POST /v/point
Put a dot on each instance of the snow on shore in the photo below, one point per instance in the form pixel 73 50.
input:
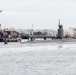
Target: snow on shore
pixel 38 59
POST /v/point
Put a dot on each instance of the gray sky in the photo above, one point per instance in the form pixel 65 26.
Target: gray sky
pixel 43 14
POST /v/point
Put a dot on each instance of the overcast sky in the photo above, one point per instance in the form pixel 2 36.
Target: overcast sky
pixel 43 14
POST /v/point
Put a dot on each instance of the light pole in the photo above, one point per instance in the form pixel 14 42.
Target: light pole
pixel 32 29
pixel 0 24
pixel 5 35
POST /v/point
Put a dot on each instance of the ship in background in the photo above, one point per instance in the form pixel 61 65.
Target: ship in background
pixel 11 35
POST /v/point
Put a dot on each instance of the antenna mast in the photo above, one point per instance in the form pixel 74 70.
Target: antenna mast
pixel 59 22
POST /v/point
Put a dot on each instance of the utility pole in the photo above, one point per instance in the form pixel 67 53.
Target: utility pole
pixel 5 34
pixel 0 24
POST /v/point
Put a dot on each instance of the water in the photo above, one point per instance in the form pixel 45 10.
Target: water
pixel 34 58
